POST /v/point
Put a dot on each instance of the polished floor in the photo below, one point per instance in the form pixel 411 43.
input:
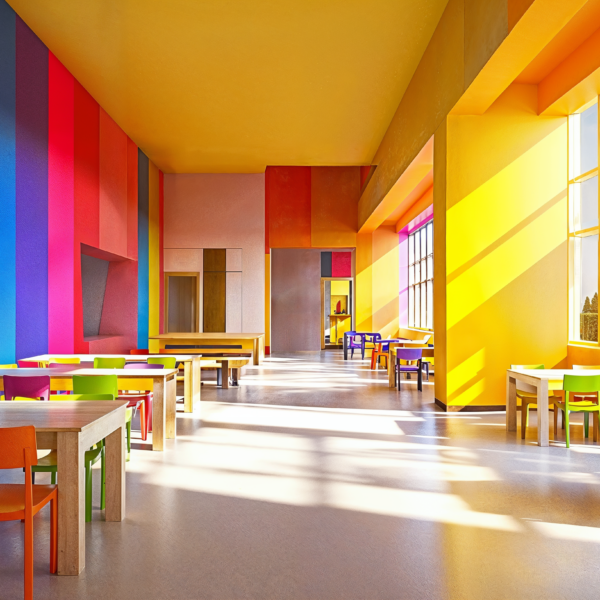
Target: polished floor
pixel 313 480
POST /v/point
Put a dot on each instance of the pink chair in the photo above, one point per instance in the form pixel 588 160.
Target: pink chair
pixel 144 399
pixel 34 386
pixel 28 364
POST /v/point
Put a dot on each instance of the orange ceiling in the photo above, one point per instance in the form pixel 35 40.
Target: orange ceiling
pixel 233 86
pixel 575 32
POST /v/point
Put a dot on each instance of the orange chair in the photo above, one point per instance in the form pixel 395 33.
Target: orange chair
pixel 143 351
pixel 20 502
pixel 375 354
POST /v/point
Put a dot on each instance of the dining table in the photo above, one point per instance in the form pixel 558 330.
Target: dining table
pixel 191 370
pixel 391 362
pixel 161 382
pixel 71 428
pixel 541 381
pixel 196 342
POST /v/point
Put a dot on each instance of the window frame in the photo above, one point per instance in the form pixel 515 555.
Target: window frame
pixel 574 230
pixel 427 283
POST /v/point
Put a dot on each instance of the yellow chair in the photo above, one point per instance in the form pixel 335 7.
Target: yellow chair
pixel 65 361
pixel 529 400
pixel 7 367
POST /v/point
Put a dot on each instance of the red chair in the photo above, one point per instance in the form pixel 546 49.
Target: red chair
pixel 142 352
pixel 28 364
pixel 20 502
pixel 35 386
pixel 143 400
pixel 376 354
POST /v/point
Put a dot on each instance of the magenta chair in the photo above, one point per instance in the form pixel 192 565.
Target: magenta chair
pixel 145 399
pixel 412 355
pixel 35 386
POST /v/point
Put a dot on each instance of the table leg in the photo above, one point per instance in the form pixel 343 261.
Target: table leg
pixel 345 347
pixel 390 369
pixel 235 376
pixel 511 403
pixel 158 414
pixel 225 374
pixel 255 351
pixel 196 383
pixel 171 408
pixel 71 504
pixel 542 410
pixel 115 474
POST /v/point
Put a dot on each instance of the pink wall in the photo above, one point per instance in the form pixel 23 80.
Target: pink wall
pixel 221 211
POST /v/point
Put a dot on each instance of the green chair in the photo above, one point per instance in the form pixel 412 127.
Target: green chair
pixel 529 399
pixel 48 463
pixel 578 385
pixel 109 363
pixel 169 362
pixel 103 384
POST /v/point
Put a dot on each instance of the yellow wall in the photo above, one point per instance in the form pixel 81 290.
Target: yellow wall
pixel 338 289
pixel 377 281
pixel 504 294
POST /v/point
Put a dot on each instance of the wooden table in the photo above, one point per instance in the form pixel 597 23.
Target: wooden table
pixel 223 365
pixel 248 341
pixel 391 363
pixel 71 428
pixel 334 319
pixel 542 380
pixel 191 370
pixel 162 382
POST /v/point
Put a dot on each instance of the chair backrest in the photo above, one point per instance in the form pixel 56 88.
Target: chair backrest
pixel 371 338
pixel 72 360
pixel 28 364
pixel 95 384
pixel 34 386
pixel 142 365
pixel 142 351
pixel 13 442
pixel 409 353
pixel 168 362
pixel 76 397
pixel 527 367
pixel 9 367
pixel 106 362
pixel 581 383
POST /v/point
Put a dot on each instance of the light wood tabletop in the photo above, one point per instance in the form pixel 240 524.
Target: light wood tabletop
pixel 71 428
pixel 248 341
pixel 191 370
pixel 542 380
pixel 161 382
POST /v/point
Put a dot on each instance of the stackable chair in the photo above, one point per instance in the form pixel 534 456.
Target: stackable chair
pixel 34 387
pixel 409 355
pixel 580 385
pixel 529 400
pixel 371 338
pixel 73 360
pixel 356 342
pixel 139 351
pixel 378 353
pixel 28 364
pixel 143 399
pixel 48 464
pixel 11 366
pixel 20 502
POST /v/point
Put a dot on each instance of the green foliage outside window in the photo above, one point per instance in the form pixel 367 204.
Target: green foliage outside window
pixel 588 320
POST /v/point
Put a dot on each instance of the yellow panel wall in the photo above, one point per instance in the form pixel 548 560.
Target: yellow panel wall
pixel 505 247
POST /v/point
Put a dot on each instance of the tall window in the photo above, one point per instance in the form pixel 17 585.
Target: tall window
pixel 583 225
pixel 420 277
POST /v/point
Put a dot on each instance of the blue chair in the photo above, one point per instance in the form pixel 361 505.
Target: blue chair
pixel 356 341
pixel 410 355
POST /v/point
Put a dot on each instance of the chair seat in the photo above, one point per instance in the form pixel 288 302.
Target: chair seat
pixel 12 496
pixel 407 368
pixel 583 406
pixel 521 394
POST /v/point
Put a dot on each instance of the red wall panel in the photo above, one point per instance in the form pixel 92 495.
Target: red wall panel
pixel 288 197
pixel 113 186
pixel 132 199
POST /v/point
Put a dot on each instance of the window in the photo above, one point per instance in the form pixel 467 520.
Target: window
pixel 583 225
pixel 420 277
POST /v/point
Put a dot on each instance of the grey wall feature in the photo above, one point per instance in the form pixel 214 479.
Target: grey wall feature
pixel 94 272
pixel 295 300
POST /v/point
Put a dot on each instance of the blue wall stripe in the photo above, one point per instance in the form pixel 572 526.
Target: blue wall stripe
pixel 8 305
pixel 143 250
pixel 31 159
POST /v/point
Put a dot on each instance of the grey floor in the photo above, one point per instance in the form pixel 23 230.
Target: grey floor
pixel 313 480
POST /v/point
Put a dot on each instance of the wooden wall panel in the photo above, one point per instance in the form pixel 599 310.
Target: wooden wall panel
pixel 215 259
pixel 233 303
pixel 214 301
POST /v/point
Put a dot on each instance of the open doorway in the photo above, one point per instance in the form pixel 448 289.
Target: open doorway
pixel 182 300
pixel 337 313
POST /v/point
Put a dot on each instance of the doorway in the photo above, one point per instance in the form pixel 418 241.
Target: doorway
pixel 337 310
pixel 181 302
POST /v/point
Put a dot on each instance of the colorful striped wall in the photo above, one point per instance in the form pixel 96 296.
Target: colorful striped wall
pixel 69 176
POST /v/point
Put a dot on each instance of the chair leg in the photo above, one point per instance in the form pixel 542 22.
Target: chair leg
pixel 53 536
pixel 556 409
pixel 420 380
pixel 148 401
pixel 586 425
pixel 103 478
pixel 373 360
pixel 524 418
pixel 88 492
pixel 128 439
pixel 595 427
pixel 566 420
pixel 143 422
pixel 28 557
pixel 53 478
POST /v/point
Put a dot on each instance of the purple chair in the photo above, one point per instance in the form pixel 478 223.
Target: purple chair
pixel 410 354
pixel 143 401
pixel 354 341
pixel 35 386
